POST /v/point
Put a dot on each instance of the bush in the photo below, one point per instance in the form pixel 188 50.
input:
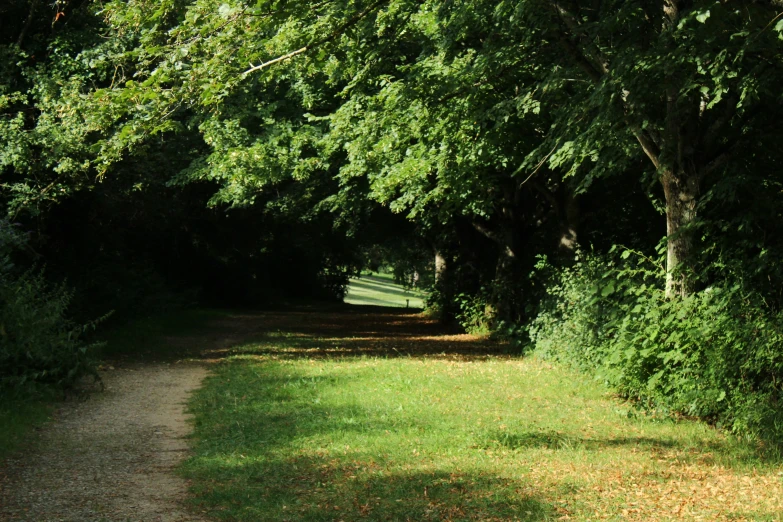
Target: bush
pixel 715 354
pixel 38 345
pixel 476 314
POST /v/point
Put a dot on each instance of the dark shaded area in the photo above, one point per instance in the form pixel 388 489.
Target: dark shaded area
pixel 353 331
pixel 555 440
pixel 152 252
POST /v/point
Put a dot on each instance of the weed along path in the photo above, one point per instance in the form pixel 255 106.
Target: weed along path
pixel 351 413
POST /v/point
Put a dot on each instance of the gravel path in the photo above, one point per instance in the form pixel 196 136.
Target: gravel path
pixel 110 458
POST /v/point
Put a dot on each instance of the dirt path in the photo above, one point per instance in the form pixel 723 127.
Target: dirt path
pixel 112 457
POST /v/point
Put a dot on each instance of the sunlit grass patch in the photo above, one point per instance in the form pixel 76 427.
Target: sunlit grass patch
pixel 381 290
pixel 408 438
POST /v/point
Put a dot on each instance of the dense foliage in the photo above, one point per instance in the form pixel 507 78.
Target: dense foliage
pixel 38 344
pixel 714 354
pixel 195 149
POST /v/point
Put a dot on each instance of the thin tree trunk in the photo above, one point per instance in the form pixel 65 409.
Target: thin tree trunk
pixel 27 23
pixel 444 287
pixel 440 267
pixel 568 217
pixel 681 192
pixel 504 284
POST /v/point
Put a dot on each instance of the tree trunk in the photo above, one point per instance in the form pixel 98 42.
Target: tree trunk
pixel 504 284
pixel 681 191
pixel 440 267
pixel 27 24
pixel 568 218
pixel 444 287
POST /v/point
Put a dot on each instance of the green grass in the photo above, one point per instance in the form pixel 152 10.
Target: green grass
pixel 381 290
pixel 18 418
pixel 284 432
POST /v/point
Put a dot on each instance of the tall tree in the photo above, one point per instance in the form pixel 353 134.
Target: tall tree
pixel 694 83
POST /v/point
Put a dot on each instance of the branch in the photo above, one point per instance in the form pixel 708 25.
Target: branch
pixel 579 58
pixel 648 145
pixel 334 34
pixel 538 167
pixel 27 23
pixel 572 22
pixel 490 234
pixel 648 141
pixel 460 92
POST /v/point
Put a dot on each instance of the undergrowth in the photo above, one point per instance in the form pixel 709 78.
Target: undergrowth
pixel 39 345
pixel 714 354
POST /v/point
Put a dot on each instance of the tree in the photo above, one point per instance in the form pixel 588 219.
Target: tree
pixel 692 82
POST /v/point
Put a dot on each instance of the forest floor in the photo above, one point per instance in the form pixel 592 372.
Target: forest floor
pixel 362 413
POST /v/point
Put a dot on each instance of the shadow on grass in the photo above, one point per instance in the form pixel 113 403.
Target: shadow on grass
pixel 317 489
pixel 17 420
pixel 355 331
pixel 273 454
pixel 727 452
pixel 550 439
pixel 180 334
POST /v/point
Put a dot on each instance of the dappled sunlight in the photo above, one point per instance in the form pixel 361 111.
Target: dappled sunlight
pixel 316 486
pixel 349 332
pixel 343 414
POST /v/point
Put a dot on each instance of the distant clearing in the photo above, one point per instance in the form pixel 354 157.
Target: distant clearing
pixel 381 290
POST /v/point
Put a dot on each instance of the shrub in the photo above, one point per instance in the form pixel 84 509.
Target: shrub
pixel 38 344
pixel 476 314
pixel 715 354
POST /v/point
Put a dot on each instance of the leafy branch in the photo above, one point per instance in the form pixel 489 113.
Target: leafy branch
pixel 331 36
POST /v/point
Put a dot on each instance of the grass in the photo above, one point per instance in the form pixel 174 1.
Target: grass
pixel 379 289
pixel 18 418
pixel 378 416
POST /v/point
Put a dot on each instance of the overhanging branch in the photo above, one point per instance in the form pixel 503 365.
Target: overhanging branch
pixel 331 36
pixel 486 232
